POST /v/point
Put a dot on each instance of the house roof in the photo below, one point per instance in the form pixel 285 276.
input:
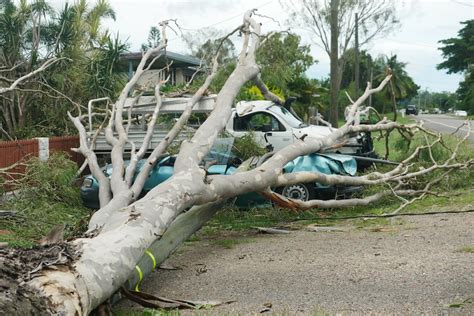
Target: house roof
pixel 178 60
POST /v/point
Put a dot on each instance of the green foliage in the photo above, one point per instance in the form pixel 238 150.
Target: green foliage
pixel 224 72
pixel 246 147
pixel 254 93
pixel 154 38
pixel 103 76
pixel 31 32
pixel 283 60
pixel 466 249
pixel 45 197
pixel 207 51
pixel 458 52
pixel 365 65
pixel 466 92
pixel 146 312
pixel 429 100
pixel 309 93
pixel 50 180
pixel 400 149
pixel 403 85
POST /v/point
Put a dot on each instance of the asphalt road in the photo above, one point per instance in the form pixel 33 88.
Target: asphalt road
pixel 445 124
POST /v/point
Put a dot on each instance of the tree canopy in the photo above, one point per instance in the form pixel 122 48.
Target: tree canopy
pixel 32 32
pixel 458 52
pixel 334 25
pixel 283 60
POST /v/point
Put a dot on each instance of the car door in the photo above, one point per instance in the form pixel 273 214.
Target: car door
pixel 267 129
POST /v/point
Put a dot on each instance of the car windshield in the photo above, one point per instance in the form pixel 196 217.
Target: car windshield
pixel 287 116
pixel 220 151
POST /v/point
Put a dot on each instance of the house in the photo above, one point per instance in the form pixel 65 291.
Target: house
pixel 181 67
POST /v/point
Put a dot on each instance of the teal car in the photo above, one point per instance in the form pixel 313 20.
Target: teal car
pixel 227 165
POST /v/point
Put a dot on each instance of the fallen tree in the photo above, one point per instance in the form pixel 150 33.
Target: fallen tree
pixel 77 276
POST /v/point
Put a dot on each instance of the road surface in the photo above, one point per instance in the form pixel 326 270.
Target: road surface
pixel 419 265
pixel 445 124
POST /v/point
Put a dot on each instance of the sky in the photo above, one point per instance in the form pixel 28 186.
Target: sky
pixel 423 24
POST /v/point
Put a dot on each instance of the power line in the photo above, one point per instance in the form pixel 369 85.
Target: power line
pixel 463 3
pixel 219 22
pixel 229 18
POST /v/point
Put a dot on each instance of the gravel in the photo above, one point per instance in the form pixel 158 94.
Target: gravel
pixel 413 265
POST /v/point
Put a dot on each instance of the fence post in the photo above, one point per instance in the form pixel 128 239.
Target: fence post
pixel 43 148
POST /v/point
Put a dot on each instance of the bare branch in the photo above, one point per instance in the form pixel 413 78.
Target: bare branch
pixel 43 67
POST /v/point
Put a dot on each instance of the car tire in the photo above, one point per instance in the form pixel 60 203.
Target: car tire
pixel 300 191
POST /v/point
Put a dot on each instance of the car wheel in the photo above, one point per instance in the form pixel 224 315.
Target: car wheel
pixel 300 191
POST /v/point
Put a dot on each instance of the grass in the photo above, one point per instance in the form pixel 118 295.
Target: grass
pixel 234 219
pixel 46 198
pixel 146 312
pixel 34 221
pixel 461 304
pixel 466 249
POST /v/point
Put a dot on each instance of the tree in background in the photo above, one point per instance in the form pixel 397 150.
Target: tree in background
pixel 20 33
pixel 401 89
pixel 204 44
pixel 375 18
pixel 32 32
pixel 458 53
pixel 284 60
pixel 154 38
pixel 366 65
pixel 401 85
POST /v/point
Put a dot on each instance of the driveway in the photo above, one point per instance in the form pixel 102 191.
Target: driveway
pixel 410 265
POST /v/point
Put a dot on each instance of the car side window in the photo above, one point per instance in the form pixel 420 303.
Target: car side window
pixel 261 122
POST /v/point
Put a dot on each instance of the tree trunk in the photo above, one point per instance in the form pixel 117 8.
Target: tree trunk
pixel 356 59
pixel 334 109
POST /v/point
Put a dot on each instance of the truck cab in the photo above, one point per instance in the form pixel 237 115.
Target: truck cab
pixel 275 127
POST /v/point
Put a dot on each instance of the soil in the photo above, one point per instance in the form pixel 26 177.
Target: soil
pixel 406 265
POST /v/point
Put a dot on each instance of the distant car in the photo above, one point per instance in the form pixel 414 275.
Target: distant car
pixel 411 109
pixel 327 164
pixel 460 113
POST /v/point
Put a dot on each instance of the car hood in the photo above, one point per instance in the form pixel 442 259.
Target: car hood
pixel 312 131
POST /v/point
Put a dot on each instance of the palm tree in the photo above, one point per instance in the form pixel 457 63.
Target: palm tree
pixel 401 85
pixel 30 32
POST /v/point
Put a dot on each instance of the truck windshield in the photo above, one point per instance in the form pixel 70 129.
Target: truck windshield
pixel 287 116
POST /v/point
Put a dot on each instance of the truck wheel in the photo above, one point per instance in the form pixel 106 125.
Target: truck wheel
pixel 300 191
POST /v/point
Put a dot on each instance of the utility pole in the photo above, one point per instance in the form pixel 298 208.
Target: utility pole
pixel 371 66
pixel 334 109
pixel 356 56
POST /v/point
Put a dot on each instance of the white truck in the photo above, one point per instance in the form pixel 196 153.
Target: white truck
pixel 276 126
pixel 273 126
